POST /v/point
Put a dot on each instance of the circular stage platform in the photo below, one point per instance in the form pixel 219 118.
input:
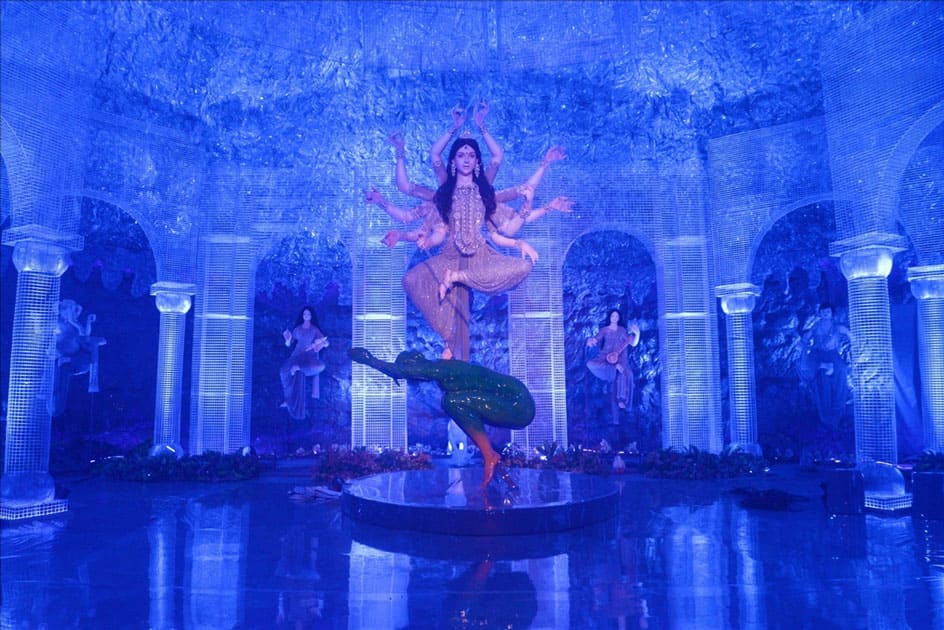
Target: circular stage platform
pixel 450 501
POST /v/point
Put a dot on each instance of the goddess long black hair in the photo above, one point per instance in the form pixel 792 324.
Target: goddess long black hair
pixel 443 196
pixel 301 317
pixel 609 313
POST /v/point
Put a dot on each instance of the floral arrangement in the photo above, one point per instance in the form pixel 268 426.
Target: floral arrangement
pixel 337 465
pixel 550 456
pixel 693 463
pixel 138 465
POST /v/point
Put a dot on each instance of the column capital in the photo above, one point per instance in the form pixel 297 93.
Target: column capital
pixel 737 298
pixel 867 262
pixel 39 249
pixel 173 297
pixel 868 255
pixel 40 257
pixel 927 282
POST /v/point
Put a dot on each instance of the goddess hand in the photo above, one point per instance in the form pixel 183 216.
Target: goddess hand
pixel 373 196
pixel 458 116
pixel 481 111
pixel 287 336
pixel 561 204
pixel 592 341
pixel 554 154
pixel 397 140
pixel 527 251
pixel 391 238
pixel 422 240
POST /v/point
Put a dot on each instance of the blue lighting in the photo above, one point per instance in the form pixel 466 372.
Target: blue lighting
pixel 758 187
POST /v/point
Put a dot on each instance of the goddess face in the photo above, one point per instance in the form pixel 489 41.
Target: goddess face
pixel 465 160
pixel 614 317
pixel 306 315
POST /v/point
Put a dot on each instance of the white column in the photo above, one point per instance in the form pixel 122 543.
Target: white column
pixel 173 300
pixel 737 302
pixel 27 489
pixel 866 268
pixel 222 346
pixel 927 284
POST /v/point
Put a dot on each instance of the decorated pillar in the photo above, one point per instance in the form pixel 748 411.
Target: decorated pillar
pixel 927 285
pixel 173 300
pixel 27 487
pixel 536 340
pixel 866 262
pixel 737 302
pixel 222 346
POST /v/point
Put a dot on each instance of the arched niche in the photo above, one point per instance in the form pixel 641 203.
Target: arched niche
pixel 920 207
pixel 604 270
pixel 111 277
pixel 302 270
pixel 796 274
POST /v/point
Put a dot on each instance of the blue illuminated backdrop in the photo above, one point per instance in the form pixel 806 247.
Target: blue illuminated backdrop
pixel 225 130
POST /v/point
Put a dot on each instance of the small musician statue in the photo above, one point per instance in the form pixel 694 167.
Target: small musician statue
pixel 76 353
pixel 612 364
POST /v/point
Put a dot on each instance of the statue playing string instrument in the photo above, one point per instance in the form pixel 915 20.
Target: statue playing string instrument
pixel 473 396
pixel 612 363
pixel 76 353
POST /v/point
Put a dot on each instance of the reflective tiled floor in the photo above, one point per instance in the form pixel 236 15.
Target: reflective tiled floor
pixel 680 555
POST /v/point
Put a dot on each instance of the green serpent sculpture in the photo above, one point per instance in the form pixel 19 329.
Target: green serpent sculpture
pixel 473 395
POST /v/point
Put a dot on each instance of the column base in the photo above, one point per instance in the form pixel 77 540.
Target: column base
pixel 24 511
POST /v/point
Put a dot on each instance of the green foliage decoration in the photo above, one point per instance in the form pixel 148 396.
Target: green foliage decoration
pixel 208 467
pixel 338 465
pixel 694 463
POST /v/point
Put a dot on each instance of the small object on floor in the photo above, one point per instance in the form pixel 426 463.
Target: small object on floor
pixel 619 466
pixel 313 493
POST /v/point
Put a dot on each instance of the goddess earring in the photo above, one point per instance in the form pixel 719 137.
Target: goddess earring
pixel 452 168
pixel 477 170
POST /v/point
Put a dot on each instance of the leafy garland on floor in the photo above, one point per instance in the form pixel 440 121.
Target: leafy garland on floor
pixel 339 465
pixel 138 465
pixel 693 463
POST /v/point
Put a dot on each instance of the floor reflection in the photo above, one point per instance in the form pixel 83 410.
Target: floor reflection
pixel 680 555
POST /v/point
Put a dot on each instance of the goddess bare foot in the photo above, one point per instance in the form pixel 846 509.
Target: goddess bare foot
pixel 489 468
pixel 448 280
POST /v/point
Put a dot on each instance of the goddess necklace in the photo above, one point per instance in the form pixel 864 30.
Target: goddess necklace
pixel 466 218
